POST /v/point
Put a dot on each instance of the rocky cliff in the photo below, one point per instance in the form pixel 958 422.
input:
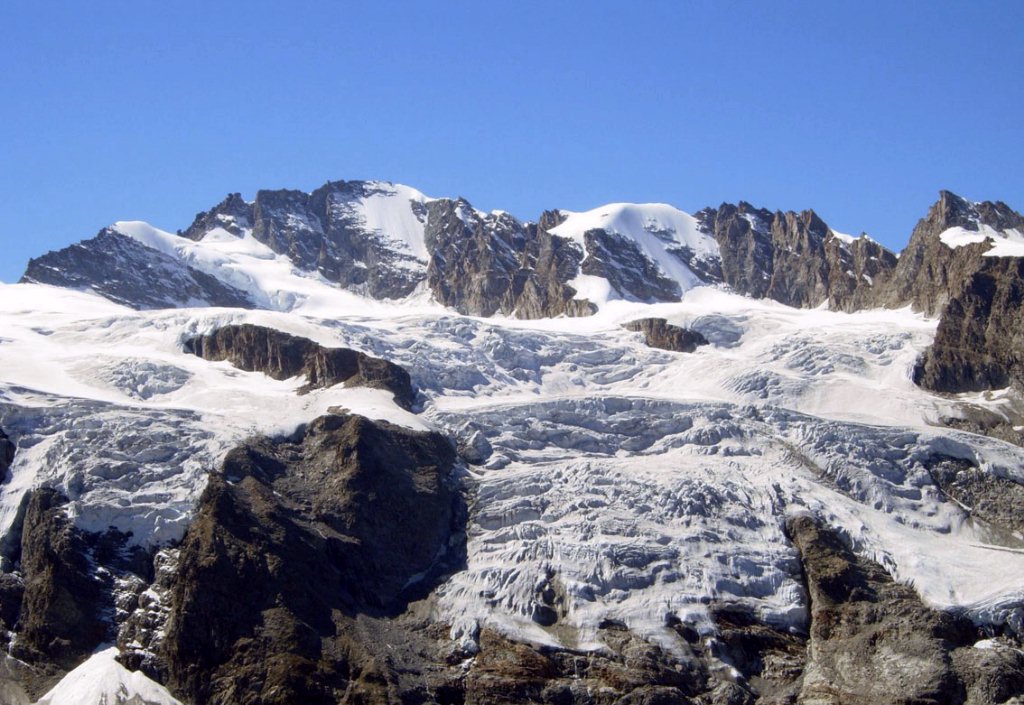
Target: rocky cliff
pixel 282 356
pixel 873 641
pixel 794 258
pixel 930 272
pixel 298 547
pixel 979 343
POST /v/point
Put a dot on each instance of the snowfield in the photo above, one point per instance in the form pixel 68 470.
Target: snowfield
pixel 635 484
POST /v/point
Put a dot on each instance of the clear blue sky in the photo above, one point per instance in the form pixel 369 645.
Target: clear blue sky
pixel 154 111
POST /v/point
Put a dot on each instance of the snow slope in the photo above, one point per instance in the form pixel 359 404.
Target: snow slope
pixel 656 228
pixel 101 680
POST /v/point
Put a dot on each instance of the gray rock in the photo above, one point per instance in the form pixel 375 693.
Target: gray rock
pixel 127 272
pixel 627 269
pixel 232 214
pixel 872 640
pixel 979 343
pixel 996 501
pixel 550 262
pixel 475 258
pixel 794 258
pixel 930 273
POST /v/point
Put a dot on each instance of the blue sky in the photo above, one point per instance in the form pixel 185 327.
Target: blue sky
pixel 154 111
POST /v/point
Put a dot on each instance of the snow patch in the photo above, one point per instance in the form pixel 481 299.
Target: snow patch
pixel 1005 243
pixel 101 680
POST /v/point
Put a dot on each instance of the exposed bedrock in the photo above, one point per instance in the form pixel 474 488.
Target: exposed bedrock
pixel 979 343
pixel 7 449
pixel 930 272
pixel 873 641
pixel 295 544
pixel 659 333
pixel 282 356
pixel 127 272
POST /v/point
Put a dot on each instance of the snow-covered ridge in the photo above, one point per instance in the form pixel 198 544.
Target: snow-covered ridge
pixel 271 280
pixel 389 211
pixel 847 239
pixel 1005 243
pixel 101 680
pixel 658 229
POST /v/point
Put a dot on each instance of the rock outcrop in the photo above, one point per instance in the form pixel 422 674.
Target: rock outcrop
pixel 995 501
pixel 476 258
pixel 930 272
pixel 127 272
pixel 282 356
pixel 659 333
pixel 549 263
pixel 872 640
pixel 7 449
pixel 794 258
pixel 59 620
pixel 293 541
pixel 979 343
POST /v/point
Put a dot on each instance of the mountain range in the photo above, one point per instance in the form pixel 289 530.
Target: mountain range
pixel 361 445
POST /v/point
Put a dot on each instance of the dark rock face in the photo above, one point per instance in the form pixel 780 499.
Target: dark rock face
pixel 854 268
pixel 60 615
pixel 483 264
pixel 352 254
pixel 324 231
pixel 291 543
pixel 127 272
pixel 873 641
pixel 550 262
pixel 6 454
pixel 979 343
pixel 659 333
pixel 475 258
pixel 281 356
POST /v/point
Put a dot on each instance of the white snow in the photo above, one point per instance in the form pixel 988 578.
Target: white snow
pixel 1005 243
pixel 101 680
pixel 843 237
pixel 656 228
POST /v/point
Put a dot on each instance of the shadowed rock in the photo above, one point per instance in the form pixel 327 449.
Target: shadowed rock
pixel 291 543
pixel 282 356
pixel 6 455
pixel 659 333
pixel 979 343
pixel 59 618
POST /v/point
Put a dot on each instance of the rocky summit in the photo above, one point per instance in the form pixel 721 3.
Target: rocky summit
pixel 362 445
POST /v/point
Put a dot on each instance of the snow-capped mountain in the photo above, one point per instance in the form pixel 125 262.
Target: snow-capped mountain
pixel 363 445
